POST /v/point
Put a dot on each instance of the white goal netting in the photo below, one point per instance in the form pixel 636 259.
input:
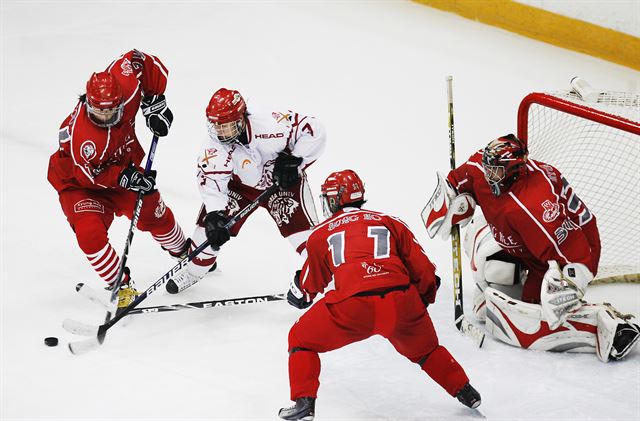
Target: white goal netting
pixel 596 146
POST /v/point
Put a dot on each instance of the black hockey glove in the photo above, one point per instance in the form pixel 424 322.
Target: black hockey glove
pixel 296 297
pixel 132 179
pixel 285 170
pixel 159 117
pixel 217 234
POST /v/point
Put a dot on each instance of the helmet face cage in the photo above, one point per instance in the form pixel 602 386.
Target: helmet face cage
pixel 105 117
pixel 103 100
pixel 330 204
pixel 226 133
pixel 339 190
pixel 503 161
pixel 226 116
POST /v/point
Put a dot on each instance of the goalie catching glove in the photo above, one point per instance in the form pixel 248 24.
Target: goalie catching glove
pixel 562 291
pixel 445 209
pixel 158 116
pixel 296 297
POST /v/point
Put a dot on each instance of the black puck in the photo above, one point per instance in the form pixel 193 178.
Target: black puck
pixel 51 341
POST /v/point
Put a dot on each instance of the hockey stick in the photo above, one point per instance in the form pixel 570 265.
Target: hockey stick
pixel 461 322
pixel 95 297
pixel 113 300
pixel 80 347
pixel 212 303
pixel 84 329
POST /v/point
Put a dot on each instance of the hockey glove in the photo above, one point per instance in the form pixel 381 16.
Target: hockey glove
pixel 159 117
pixel 562 291
pixel 132 179
pixel 285 170
pixel 214 227
pixel 296 297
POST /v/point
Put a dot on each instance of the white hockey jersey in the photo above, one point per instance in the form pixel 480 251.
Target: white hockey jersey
pixel 268 133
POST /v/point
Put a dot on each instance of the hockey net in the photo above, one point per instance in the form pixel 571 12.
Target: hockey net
pixel 596 146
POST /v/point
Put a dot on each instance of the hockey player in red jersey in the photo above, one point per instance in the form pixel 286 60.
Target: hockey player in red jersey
pixel 533 229
pixel 248 150
pixel 96 170
pixel 383 284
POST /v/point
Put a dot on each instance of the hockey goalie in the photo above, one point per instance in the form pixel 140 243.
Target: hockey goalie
pixel 529 229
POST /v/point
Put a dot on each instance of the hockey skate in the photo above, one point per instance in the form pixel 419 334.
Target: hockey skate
pixel 127 292
pixel 303 410
pixel 179 255
pixel 469 396
pixel 182 281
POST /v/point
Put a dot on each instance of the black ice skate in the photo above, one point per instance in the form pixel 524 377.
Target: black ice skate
pixel 627 334
pixel 469 396
pixel 303 410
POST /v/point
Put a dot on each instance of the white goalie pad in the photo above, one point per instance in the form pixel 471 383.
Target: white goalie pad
pixel 521 324
pixel 445 208
pixel 479 245
pixel 591 328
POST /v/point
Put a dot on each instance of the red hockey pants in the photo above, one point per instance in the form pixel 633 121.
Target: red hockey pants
pixel 399 316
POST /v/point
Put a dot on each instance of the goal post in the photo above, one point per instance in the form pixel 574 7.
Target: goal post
pixel 596 146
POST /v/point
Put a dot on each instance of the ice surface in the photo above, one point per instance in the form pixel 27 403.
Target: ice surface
pixel 374 73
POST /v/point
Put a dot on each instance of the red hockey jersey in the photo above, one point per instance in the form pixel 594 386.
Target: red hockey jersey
pixel 539 219
pixel 93 157
pixel 363 250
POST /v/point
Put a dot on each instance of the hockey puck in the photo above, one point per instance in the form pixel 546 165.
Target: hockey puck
pixel 51 341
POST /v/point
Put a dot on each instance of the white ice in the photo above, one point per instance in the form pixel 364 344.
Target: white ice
pixel 374 72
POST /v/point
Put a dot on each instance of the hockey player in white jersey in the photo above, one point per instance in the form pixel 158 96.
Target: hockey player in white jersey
pixel 247 151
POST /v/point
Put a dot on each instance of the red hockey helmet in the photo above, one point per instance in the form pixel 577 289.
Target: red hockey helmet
pixel 340 189
pixel 504 161
pixel 104 99
pixel 225 115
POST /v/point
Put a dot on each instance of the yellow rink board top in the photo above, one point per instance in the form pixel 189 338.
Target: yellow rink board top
pixel 549 27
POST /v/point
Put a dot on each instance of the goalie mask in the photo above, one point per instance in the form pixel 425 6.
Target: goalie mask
pixel 504 161
pixel 104 100
pixel 341 189
pixel 226 116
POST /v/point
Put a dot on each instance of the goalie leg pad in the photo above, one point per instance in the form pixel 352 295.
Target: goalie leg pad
pixel 616 334
pixel 520 324
pixel 489 263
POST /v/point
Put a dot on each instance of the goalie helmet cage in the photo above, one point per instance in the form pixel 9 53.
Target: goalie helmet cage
pixel 596 146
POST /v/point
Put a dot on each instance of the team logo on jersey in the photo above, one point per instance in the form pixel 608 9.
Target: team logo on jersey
pixel 371 269
pixel 282 206
pixel 278 117
pixel 246 162
pixel 88 205
pixel 126 67
pixel 208 154
pixel 232 206
pixel 551 211
pixel 88 150
pixel 160 209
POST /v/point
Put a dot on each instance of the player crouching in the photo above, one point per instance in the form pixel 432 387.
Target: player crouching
pixel 534 230
pixel 384 283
